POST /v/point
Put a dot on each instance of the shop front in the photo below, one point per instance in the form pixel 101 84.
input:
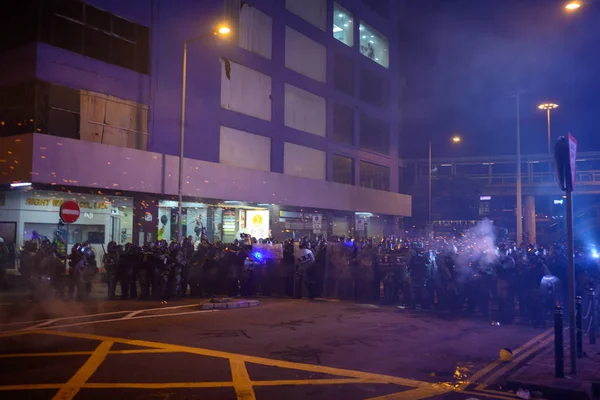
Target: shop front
pixel 35 214
pixel 217 221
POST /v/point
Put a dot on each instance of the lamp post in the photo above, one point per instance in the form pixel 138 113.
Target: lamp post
pixel 519 227
pixel 548 107
pixel 222 30
pixel 455 139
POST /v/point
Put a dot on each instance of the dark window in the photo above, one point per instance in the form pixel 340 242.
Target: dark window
pixel 63 111
pixel 374 89
pixel 343 74
pixel 374 176
pixel 343 124
pixel 17 109
pixel 99 19
pixel 87 30
pixel 17 24
pixel 67 34
pixel 343 170
pixel 374 134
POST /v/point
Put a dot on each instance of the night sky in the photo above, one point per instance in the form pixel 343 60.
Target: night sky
pixel 462 59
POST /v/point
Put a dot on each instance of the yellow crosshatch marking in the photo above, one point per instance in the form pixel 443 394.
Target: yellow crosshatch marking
pixel 241 381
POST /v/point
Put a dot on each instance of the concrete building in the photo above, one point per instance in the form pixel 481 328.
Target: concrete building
pixel 294 114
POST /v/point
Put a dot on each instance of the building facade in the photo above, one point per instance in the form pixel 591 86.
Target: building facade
pixel 294 114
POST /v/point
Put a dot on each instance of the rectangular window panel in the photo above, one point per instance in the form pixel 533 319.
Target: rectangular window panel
pixel 97 18
pixel 374 45
pixel 305 56
pixel 374 134
pixel 305 111
pixel 312 11
pixel 67 34
pixel 244 149
pixel 122 53
pixel 343 170
pixel 255 32
pixel 343 124
pixel 303 161
pixel 374 89
pixel 374 176
pixel 343 25
pixel 96 44
pixel 343 74
pixel 245 90
pixel 123 28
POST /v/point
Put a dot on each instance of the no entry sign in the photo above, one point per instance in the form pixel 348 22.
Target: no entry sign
pixel 69 212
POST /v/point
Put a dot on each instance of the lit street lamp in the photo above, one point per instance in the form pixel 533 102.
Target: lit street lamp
pixel 574 5
pixel 455 139
pixel 548 107
pixel 222 31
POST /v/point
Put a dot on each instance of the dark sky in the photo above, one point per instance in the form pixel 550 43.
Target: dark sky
pixel 462 59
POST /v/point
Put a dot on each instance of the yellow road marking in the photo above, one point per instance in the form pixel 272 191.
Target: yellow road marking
pixel 484 371
pixel 166 385
pixel 241 380
pixel 341 381
pixel 521 356
pixel 413 394
pixel 497 392
pixel 33 386
pixel 81 353
pixel 250 359
pixel 71 388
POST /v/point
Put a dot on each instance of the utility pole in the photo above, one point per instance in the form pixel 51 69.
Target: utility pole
pixel 519 207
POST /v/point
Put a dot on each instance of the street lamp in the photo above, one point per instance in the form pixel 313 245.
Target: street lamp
pixel 548 107
pixel 574 5
pixel 455 139
pixel 222 30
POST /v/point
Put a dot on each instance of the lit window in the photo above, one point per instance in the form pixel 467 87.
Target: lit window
pixel 343 26
pixel 374 45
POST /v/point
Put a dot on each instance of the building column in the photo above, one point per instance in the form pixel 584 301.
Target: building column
pixel 145 219
pixel 529 219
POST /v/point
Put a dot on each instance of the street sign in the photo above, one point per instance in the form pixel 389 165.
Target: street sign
pixel 359 226
pixel 565 157
pixel 317 222
pixel 572 158
pixel 69 212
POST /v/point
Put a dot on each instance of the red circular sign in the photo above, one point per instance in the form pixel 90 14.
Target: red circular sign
pixel 69 212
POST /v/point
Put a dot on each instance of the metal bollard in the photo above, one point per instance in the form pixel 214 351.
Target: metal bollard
pixel 559 345
pixel 578 326
pixel 593 316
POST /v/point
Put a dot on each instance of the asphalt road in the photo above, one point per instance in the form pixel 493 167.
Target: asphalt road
pixel 282 349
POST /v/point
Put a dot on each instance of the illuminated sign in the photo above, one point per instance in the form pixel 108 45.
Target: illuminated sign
pixel 559 201
pixel 485 198
pixel 257 223
pixel 45 202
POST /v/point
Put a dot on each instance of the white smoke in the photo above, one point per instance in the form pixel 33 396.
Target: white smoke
pixel 477 244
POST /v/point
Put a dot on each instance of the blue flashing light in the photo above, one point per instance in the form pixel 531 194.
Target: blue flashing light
pixel 595 254
pixel 257 255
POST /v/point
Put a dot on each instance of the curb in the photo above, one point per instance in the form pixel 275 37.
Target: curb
pixel 230 305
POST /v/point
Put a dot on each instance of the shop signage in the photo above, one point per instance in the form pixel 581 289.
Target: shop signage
pixel 45 202
pixel 257 223
pixel 317 221
pixel 69 212
pixel 148 216
pixel 359 226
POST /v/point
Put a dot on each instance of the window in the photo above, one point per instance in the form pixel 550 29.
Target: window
pixel 17 24
pixel 374 89
pixel 374 134
pixel 343 74
pixel 64 111
pixel 343 124
pixel 305 111
pixel 17 111
pixel 343 170
pixel 374 45
pixel 343 25
pixel 255 32
pixel 305 56
pixel 303 161
pixel 245 90
pixel 374 176
pixel 114 121
pixel 312 11
pixel 244 149
pixel 84 29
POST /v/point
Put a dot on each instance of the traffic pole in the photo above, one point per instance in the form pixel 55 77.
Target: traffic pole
pixel 592 317
pixel 579 325
pixel 571 278
pixel 559 345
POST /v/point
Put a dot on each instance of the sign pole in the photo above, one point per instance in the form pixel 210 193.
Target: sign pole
pixel 67 250
pixel 571 277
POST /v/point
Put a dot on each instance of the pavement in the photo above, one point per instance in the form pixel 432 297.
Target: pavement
pixel 293 349
pixel 538 373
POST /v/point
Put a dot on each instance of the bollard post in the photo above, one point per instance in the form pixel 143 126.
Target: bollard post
pixel 578 325
pixel 592 317
pixel 559 345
